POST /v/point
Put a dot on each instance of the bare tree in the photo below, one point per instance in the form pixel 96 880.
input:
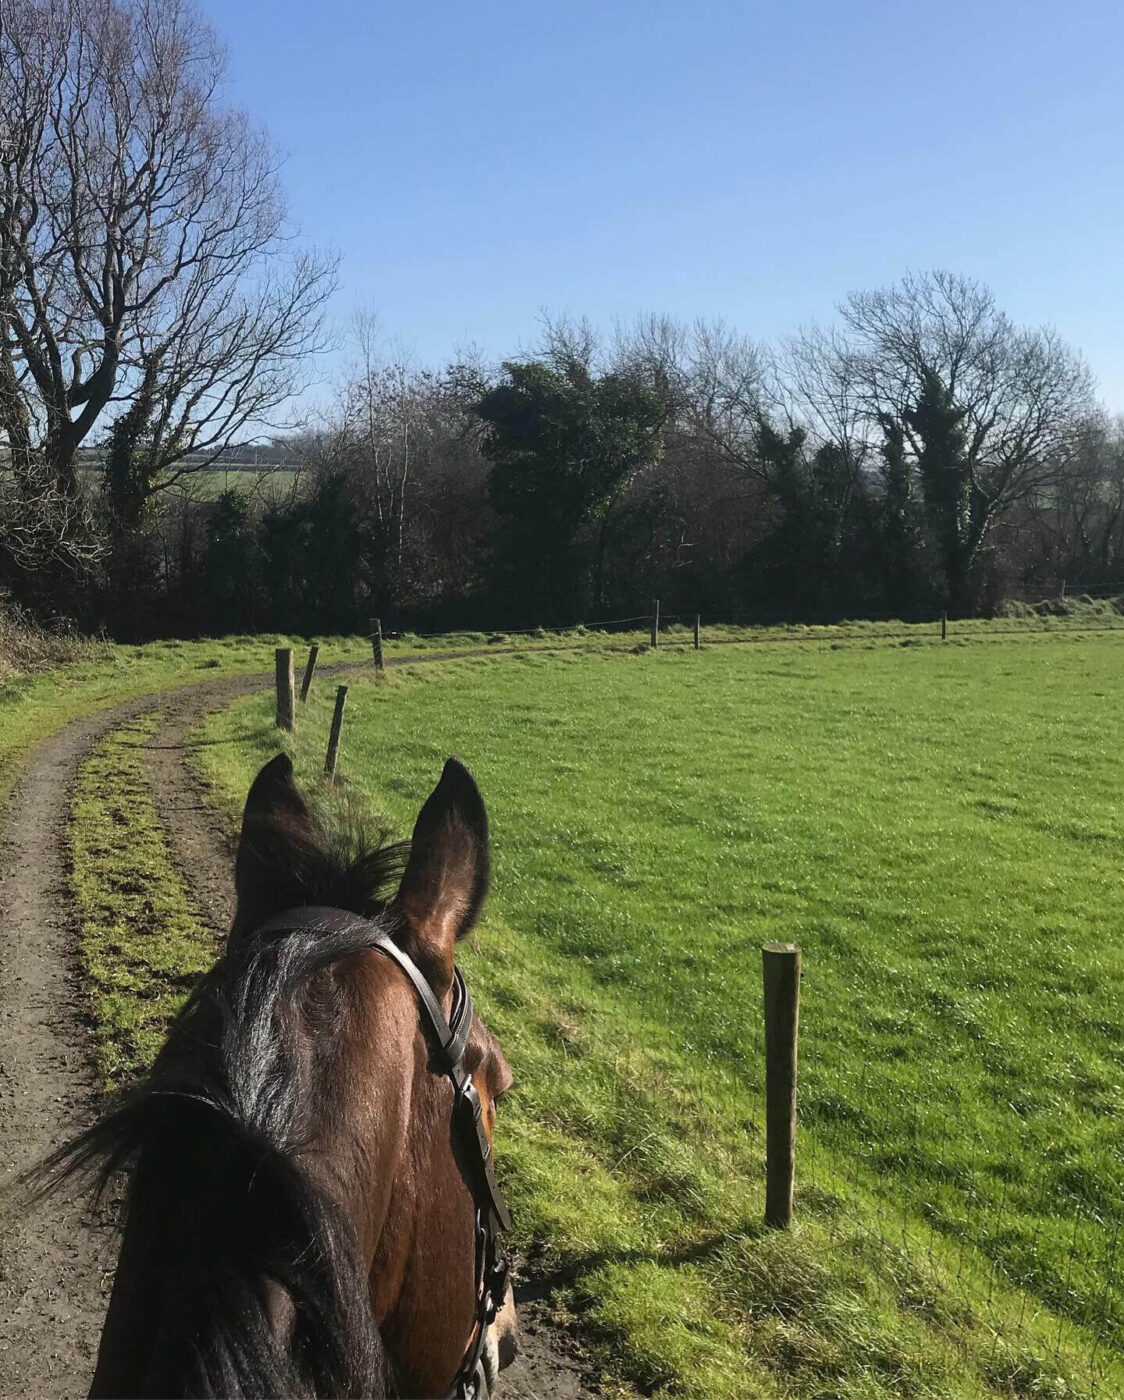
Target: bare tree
pixel 142 239
pixel 1019 398
pixel 1077 528
pixel 381 403
pixel 717 384
pixel 405 447
pixel 728 383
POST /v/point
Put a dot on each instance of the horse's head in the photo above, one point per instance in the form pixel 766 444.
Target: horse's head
pixel 319 1125
pixel 410 1181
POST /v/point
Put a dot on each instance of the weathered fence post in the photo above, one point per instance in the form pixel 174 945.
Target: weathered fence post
pixel 284 679
pixel 334 736
pixel 782 1023
pixel 306 684
pixel 698 629
pixel 376 643
pixel 655 622
pixel 1063 587
pixel 944 626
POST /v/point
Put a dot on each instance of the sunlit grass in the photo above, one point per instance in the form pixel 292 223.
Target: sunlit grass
pixel 33 706
pixel 141 942
pixel 940 827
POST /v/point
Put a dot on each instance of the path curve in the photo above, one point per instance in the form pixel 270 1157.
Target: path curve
pixel 56 1263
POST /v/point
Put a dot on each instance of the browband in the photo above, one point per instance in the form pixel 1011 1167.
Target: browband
pixel 451 1035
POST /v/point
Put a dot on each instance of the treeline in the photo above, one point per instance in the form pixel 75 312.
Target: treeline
pixel 926 455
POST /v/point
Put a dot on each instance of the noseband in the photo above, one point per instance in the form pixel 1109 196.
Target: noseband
pixel 451 1036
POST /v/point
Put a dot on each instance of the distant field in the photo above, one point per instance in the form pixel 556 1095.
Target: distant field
pixel 941 827
pixel 210 484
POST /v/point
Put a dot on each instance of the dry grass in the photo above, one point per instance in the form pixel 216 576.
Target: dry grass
pixel 1076 605
pixel 27 647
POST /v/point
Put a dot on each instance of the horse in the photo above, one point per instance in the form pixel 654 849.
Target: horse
pixel 312 1208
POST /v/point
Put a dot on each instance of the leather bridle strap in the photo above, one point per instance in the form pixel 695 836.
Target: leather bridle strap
pixel 451 1042
pixel 451 1039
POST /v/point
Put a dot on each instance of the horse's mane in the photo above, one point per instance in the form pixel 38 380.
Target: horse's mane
pixel 217 1128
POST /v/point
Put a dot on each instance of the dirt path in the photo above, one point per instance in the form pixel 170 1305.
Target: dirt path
pixel 200 840
pixel 56 1264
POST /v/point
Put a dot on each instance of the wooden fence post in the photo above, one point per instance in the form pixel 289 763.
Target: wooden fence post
pixel 334 736
pixel 306 684
pixel 284 679
pixel 376 643
pixel 1063 587
pixel 655 622
pixel 944 626
pixel 782 1025
pixel 698 629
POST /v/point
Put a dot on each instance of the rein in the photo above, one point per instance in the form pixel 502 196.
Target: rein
pixel 492 1215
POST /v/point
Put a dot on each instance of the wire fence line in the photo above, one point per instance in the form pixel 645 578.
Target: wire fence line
pixel 600 625
pixel 715 632
pixel 597 625
pixel 1069 591
pixel 1090 588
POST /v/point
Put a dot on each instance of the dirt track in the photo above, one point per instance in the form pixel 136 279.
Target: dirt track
pixel 52 1261
pixel 56 1263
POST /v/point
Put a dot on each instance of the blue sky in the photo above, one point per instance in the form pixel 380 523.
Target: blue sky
pixel 477 162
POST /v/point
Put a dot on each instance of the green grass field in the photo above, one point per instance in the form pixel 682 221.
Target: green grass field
pixel 36 703
pixel 940 828
pixel 207 484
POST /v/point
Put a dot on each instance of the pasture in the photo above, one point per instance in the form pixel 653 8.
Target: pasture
pixel 940 828
pixel 268 485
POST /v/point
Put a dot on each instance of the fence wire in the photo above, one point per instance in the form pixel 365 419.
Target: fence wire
pixel 715 631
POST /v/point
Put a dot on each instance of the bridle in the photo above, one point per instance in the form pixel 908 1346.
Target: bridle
pixel 492 1214
pixel 451 1036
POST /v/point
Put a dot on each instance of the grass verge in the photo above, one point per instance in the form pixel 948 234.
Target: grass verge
pixel 141 942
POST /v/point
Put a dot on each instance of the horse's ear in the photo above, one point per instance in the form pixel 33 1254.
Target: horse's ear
pixel 446 878
pixel 275 824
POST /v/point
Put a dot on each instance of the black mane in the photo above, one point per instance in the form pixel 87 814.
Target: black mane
pixel 216 1131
